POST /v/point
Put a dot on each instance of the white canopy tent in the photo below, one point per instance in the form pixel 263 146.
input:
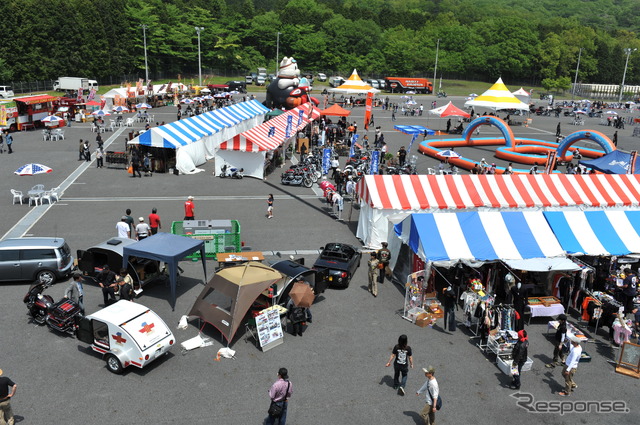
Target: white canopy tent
pixel 196 139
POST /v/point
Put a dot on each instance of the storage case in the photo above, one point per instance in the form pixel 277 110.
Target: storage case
pixel 505 365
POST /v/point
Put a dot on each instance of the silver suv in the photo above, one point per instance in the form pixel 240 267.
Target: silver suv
pixel 43 259
pixel 6 92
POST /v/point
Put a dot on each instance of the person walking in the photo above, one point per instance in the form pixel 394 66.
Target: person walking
pixel 75 291
pixel 7 391
pixel 384 255
pixel 373 274
pixel 99 158
pixel 558 132
pixel 431 391
pixel 86 151
pixel 142 229
pixel 559 339
pixel 614 140
pixel 10 141
pixel 189 209
pixel 81 151
pixel 154 221
pixel 402 156
pixel 519 356
pixel 129 220
pixel 135 165
pixel 570 366
pixel 450 309
pixel 123 228
pixel 270 206
pixel 402 358
pixel 279 394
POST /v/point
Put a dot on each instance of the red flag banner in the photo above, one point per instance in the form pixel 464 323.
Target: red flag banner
pixel 367 111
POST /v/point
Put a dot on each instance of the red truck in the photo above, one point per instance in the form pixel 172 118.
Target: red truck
pixel 403 85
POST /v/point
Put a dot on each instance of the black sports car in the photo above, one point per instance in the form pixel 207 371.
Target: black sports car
pixel 339 262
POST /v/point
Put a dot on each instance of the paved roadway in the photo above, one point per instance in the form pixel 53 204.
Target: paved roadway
pixel 337 368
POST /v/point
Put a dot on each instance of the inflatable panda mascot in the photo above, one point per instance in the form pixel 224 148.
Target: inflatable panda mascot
pixel 288 90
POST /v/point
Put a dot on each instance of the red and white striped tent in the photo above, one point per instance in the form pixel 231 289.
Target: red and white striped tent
pixel 390 197
pixel 248 149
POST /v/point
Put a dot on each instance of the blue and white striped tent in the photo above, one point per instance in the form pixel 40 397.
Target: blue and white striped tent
pixel 480 236
pixel 606 232
pixel 192 129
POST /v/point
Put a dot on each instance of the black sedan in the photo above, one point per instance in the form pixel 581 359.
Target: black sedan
pixel 338 261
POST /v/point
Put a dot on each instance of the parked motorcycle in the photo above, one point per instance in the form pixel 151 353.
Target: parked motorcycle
pixel 297 177
pixel 231 172
pixel 59 316
pixel 442 94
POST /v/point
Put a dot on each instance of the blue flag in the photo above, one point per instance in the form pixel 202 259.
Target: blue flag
pixel 300 114
pixel 375 162
pixel 326 160
pixel 413 139
pixel 354 139
pixel 287 132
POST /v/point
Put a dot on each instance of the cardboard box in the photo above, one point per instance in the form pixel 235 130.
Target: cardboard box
pixel 413 313
pixel 423 320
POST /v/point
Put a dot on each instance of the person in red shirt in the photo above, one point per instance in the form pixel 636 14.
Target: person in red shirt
pixel 189 208
pixel 154 221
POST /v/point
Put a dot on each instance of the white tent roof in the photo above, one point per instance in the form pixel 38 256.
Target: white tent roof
pixel 354 84
pixel 520 92
pixel 497 97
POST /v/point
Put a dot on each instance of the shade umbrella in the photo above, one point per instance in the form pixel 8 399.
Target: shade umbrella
pixel 143 106
pixel 120 109
pixel 198 99
pixel 31 169
pixel 611 113
pixel 234 92
pixel 101 113
pixel 205 91
pixel 302 294
pixel 92 103
pixel 448 154
pixel 336 111
pixel 473 95
pixel 52 120
pixel 579 111
pixel 187 101
pixel 220 95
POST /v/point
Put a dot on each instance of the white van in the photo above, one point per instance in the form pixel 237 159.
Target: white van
pixel 6 92
pixel 126 333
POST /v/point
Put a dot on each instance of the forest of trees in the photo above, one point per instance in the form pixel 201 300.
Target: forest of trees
pixel 520 40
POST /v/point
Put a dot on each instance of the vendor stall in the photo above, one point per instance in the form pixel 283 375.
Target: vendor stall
pixel 251 149
pixel 194 140
pixel 383 196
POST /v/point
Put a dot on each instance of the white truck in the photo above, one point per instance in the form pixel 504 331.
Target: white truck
pixel 74 83
pixel 126 334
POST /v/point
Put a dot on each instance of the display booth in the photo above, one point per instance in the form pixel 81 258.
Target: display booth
pixel 196 139
pixel 385 196
pixel 251 149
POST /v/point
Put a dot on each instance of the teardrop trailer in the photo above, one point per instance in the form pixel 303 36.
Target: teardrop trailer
pixel 126 334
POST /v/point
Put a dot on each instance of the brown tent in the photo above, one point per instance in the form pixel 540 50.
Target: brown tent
pixel 336 111
pixel 228 296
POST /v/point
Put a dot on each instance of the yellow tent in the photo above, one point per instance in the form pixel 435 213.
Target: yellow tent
pixel 354 85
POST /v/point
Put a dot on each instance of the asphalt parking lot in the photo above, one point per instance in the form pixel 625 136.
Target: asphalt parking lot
pixel 337 367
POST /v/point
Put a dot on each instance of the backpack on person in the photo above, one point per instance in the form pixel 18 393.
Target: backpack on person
pixel 298 315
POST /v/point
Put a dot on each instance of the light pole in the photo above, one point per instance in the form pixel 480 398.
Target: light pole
pixel 146 67
pixel 277 53
pixel 628 51
pixel 198 29
pixel 575 80
pixel 435 68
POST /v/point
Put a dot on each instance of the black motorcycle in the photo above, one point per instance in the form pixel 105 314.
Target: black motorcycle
pixel 59 316
pixel 297 177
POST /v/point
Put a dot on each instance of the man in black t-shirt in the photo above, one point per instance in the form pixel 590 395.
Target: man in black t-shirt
pixel 106 279
pixel 6 414
pixel 629 290
pixel 384 255
pixel 558 342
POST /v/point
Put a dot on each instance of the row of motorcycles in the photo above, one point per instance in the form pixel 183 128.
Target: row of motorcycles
pixel 305 173
pixel 61 316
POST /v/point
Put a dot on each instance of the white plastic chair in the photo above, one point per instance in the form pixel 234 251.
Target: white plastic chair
pixel 35 199
pixel 45 135
pixel 431 171
pixel 129 122
pixel 17 195
pixel 60 134
pixel 55 192
pixel 46 195
pixel 38 187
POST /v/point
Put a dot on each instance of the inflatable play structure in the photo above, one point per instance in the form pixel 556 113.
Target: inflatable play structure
pixel 517 150
pixel 288 90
